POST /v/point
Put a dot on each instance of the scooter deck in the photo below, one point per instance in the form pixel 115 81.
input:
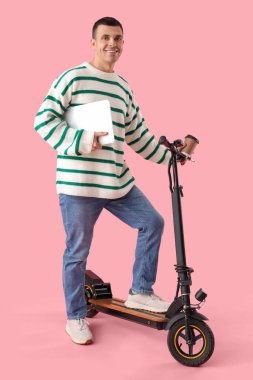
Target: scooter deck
pixel 116 307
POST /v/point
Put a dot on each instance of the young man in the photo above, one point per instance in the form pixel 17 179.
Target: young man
pixel 91 177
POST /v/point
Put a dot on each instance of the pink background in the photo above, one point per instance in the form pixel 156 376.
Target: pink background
pixel 190 66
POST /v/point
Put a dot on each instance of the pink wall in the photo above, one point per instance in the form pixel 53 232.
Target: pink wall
pixel 190 66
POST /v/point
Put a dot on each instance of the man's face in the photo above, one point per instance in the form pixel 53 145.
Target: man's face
pixel 108 43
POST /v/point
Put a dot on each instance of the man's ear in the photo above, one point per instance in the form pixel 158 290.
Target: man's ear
pixel 92 42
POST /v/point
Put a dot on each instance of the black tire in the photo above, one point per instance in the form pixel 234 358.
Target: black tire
pixel 91 310
pixel 184 353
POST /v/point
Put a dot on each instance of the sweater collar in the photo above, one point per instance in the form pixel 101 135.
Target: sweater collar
pixel 100 73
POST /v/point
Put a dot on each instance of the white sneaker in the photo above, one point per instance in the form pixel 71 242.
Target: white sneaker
pixel 79 331
pixel 150 302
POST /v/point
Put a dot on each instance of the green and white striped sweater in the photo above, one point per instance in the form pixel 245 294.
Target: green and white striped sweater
pixel 101 173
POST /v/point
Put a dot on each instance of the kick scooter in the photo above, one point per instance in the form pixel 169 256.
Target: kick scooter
pixel 190 339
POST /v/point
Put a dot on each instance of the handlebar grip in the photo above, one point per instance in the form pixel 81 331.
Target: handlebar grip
pixel 163 141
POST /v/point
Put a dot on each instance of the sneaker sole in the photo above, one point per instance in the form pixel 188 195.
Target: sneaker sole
pixel 134 305
pixel 88 341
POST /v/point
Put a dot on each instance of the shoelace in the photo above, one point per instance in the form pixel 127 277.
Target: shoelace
pixel 83 323
pixel 155 297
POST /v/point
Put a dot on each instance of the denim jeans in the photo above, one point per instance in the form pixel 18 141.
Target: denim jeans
pixel 79 216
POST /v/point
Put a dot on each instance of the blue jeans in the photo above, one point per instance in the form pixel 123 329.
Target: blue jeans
pixel 79 216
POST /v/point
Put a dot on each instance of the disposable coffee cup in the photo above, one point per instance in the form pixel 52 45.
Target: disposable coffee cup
pixel 190 143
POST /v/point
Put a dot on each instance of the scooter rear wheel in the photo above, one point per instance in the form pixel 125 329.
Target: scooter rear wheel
pixel 90 309
pixel 197 353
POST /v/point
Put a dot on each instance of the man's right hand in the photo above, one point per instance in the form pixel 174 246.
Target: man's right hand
pixel 96 144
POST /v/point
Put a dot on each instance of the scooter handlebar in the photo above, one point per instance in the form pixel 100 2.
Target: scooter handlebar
pixel 184 149
pixel 163 141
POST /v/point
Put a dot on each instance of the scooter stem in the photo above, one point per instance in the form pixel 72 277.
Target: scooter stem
pixel 176 194
pixel 184 273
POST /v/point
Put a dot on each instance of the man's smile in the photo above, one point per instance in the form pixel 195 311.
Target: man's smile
pixel 111 50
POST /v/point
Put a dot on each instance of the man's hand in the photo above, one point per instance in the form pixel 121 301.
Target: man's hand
pixel 95 144
pixel 182 160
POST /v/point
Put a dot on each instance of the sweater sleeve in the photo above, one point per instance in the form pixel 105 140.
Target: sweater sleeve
pixel 140 139
pixel 50 124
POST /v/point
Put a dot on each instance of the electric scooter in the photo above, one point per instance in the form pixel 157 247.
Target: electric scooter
pixel 190 340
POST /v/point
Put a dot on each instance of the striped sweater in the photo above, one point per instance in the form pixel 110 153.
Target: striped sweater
pixel 101 173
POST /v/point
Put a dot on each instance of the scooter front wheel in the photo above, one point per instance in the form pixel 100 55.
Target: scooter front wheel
pixel 201 348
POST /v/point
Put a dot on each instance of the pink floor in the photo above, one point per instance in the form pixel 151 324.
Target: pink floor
pixel 121 349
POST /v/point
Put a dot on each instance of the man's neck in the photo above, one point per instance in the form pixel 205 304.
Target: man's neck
pixel 103 66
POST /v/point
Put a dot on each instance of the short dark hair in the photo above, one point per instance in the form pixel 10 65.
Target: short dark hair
pixel 110 21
